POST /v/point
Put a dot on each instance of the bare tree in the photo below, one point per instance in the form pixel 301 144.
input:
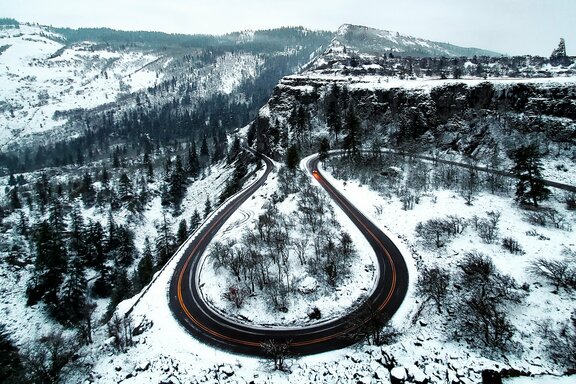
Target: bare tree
pixel 562 343
pixel 301 245
pixel 433 283
pixel 278 351
pixel 236 295
pixel 120 327
pixel 54 354
pixel 488 227
pixel 469 185
pixel 371 326
pixel 483 300
pixel 435 231
pixel 561 273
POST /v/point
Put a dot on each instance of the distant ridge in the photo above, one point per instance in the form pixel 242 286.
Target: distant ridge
pixel 375 41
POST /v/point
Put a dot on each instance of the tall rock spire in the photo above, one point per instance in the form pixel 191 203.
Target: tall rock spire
pixel 559 52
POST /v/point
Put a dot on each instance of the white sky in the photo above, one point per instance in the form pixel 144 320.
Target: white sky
pixel 506 26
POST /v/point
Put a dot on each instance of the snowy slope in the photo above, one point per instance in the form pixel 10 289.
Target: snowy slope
pixel 41 79
pixel 371 40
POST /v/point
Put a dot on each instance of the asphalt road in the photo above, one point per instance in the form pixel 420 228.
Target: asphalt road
pixel 197 317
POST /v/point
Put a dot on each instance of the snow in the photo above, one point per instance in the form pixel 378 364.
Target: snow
pixel 39 77
pixel 373 82
pixel 255 310
pixel 541 380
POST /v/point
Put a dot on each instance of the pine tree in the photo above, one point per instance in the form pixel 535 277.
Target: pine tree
pixel 87 190
pixel 332 112
pixel 195 221
pixel 126 251
pixel 77 232
pixel 324 148
pixel 125 191
pixel 182 233
pixel 122 289
pixel 164 243
pixel 352 128
pixel 193 164
pixel 72 301
pixel 204 152
pixel 15 199
pixel 177 182
pixel 95 246
pixel 528 169
pixel 292 157
pixel 207 207
pixel 11 370
pixel 49 266
pixel 23 225
pixel 145 266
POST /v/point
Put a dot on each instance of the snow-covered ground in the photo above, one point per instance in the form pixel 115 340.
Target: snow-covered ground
pixel 332 303
pixel 423 83
pixel 40 77
pixel 165 352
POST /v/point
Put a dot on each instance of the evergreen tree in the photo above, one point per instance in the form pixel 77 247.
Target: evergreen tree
pixel 23 225
pixel 528 169
pixel 121 289
pixel 15 199
pixel 165 243
pixel 125 191
pixel 145 266
pixel 324 148
pixel 332 112
pixel 72 302
pixel 177 182
pixel 207 207
pixel 11 370
pixel 182 233
pixel 43 192
pixel 87 190
pixel 292 157
pixel 352 128
pixel 49 266
pixel 235 150
pixel 95 246
pixel 193 164
pixel 126 251
pixel 204 152
pixel 77 232
pixel 195 221
pixel 103 285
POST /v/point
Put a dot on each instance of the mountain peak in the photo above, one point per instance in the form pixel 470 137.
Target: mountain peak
pixel 372 41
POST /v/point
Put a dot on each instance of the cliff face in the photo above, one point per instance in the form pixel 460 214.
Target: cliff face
pixel 468 105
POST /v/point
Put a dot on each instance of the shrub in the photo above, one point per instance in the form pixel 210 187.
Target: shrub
pixel 512 245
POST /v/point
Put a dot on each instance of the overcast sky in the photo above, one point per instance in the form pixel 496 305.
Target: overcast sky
pixel 506 26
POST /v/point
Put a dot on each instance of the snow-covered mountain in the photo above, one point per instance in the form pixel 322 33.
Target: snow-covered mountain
pixel 50 78
pixel 467 104
pixel 376 41
pixel 137 129
pixel 43 80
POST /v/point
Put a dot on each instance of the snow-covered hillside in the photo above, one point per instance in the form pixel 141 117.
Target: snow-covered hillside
pixel 42 80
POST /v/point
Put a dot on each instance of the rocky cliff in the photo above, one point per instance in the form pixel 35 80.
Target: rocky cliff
pixel 469 105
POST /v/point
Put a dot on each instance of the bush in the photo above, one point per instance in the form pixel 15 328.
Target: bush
pixel 435 231
pixel 561 273
pixel 484 297
pixel 488 227
pixel 512 246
